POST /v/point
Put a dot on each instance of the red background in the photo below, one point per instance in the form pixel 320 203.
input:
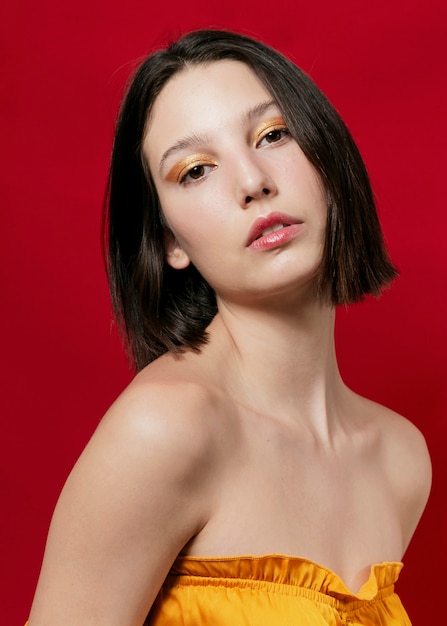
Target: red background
pixel 382 63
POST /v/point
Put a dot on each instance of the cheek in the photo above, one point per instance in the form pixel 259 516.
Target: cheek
pixel 319 204
pixel 196 215
pixel 185 227
pixel 174 214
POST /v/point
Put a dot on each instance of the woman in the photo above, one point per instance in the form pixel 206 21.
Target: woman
pixel 237 480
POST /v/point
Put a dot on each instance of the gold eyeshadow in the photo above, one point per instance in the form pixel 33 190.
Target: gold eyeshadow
pixel 178 171
pixel 275 123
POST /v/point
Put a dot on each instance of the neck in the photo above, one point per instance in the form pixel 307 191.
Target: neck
pixel 281 363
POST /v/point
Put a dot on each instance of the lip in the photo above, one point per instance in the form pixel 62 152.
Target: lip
pixel 292 226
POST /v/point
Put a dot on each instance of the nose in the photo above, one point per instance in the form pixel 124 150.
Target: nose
pixel 264 192
pixel 255 183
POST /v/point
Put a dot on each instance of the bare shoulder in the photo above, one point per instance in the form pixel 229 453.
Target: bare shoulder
pixel 405 447
pixel 406 460
pixel 166 409
pixel 142 488
pixel 163 427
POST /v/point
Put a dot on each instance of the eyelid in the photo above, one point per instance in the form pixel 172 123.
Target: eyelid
pixel 275 123
pixel 180 169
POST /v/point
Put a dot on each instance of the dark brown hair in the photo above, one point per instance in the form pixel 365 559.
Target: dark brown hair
pixel 161 309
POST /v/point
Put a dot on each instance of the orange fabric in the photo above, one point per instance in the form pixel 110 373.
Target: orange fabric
pixel 268 590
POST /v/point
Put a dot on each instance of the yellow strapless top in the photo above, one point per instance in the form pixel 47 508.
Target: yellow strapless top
pixel 273 589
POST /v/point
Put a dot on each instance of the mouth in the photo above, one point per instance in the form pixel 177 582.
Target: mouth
pixel 273 229
pixel 264 229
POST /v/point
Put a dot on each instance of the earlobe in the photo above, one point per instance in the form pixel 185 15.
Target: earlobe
pixel 176 257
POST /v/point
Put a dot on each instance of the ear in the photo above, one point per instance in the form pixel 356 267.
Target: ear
pixel 176 257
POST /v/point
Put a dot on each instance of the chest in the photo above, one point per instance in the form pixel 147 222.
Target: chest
pixel 307 487
pixel 284 494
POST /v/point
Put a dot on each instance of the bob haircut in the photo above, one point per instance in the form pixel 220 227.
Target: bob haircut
pixel 160 309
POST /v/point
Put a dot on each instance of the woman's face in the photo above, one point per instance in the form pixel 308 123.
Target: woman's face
pixel 242 202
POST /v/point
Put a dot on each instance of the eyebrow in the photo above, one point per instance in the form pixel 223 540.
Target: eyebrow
pixel 191 141
pixel 186 142
pixel 259 110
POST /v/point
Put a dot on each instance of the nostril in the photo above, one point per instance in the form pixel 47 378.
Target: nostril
pixel 263 192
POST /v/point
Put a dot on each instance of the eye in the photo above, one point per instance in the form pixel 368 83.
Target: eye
pixel 273 135
pixel 196 173
pixel 272 130
pixel 191 169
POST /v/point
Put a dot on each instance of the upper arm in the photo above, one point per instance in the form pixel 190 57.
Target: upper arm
pixel 421 475
pixel 411 474
pixel 134 498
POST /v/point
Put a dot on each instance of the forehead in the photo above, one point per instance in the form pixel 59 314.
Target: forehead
pixel 209 80
pixel 223 86
pixel 202 101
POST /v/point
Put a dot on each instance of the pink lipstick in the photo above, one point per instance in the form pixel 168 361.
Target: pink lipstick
pixel 272 231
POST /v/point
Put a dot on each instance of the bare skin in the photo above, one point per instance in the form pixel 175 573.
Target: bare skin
pixel 254 446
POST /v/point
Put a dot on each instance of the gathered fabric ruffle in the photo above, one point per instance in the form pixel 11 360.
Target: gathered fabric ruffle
pixel 274 589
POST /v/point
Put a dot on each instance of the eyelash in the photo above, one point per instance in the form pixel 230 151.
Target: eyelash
pixel 276 128
pixel 183 179
pixel 273 129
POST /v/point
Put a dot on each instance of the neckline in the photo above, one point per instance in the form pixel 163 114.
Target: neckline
pixel 290 570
